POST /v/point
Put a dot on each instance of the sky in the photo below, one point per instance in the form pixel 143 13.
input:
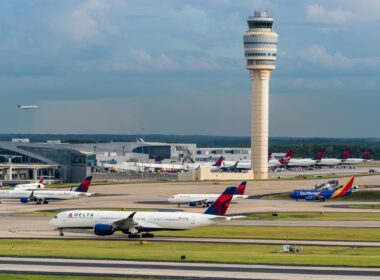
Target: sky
pixel 177 67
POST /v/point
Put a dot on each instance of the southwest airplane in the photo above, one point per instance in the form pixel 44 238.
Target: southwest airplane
pixel 322 195
pixel 33 186
pixel 44 196
pixel 133 223
pixel 205 199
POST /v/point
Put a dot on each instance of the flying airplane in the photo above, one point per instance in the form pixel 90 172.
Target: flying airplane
pixel 322 195
pixel 322 161
pixel 346 160
pixel 205 200
pixel 33 186
pixel 27 107
pixel 44 196
pixel 133 223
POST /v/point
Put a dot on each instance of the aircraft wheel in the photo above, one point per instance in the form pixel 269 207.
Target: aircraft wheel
pixel 133 236
pixel 46 202
pixel 61 233
pixel 150 235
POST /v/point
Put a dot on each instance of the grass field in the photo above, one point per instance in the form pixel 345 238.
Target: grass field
pixel 317 216
pixel 4 276
pixel 361 195
pixel 291 233
pixel 171 251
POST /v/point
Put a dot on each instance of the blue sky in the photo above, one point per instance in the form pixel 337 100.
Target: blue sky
pixel 177 67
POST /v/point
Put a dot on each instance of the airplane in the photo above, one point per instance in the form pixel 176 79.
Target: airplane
pixel 346 160
pixel 276 163
pixel 299 162
pixel 133 223
pixel 205 199
pixel 33 186
pixel 321 161
pixel 322 195
pixel 44 196
pixel 27 107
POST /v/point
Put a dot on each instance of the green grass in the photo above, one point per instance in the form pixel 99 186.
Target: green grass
pixel 361 195
pixel 316 216
pixel 4 276
pixel 171 251
pixel 270 232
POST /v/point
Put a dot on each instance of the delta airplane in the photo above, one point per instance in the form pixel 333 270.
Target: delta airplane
pixel 299 162
pixel 205 199
pixel 346 160
pixel 321 161
pixel 276 163
pixel 27 107
pixel 44 196
pixel 322 195
pixel 33 186
pixel 133 223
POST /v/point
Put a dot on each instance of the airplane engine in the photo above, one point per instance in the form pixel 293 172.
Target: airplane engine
pixel 103 230
pixel 192 204
pixel 24 200
pixel 310 197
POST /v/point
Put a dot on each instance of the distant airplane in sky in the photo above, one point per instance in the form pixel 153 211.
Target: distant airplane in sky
pixel 27 107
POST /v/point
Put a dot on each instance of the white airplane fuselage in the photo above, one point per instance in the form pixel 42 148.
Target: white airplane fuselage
pixel 151 221
pixel 32 186
pixel 209 198
pixel 295 162
pixel 352 161
pixel 328 162
pixel 46 194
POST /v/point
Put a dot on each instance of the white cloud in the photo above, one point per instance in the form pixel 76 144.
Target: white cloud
pixel 318 13
pixel 85 21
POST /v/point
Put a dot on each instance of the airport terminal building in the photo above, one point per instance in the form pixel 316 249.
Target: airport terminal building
pixel 21 160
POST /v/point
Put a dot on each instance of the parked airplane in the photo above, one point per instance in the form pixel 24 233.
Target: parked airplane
pixel 322 195
pixel 205 200
pixel 299 162
pixel 133 223
pixel 44 196
pixel 276 163
pixel 27 107
pixel 346 160
pixel 33 186
pixel 321 161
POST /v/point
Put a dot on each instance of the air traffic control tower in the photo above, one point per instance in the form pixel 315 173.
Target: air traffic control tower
pixel 260 47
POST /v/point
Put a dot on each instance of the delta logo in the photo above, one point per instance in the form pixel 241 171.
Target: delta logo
pixel 80 215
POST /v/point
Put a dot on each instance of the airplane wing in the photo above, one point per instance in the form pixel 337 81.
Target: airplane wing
pixel 126 223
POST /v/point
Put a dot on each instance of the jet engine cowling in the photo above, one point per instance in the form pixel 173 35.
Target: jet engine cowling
pixel 24 200
pixel 103 229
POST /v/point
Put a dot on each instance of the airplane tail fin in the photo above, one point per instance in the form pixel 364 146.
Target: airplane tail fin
pixel 319 155
pixel 366 154
pixel 344 189
pixel 85 185
pixel 269 156
pixel 41 181
pixel 220 206
pixel 345 154
pixel 285 159
pixel 219 162
pixel 241 188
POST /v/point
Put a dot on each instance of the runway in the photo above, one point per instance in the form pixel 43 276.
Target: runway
pixel 184 270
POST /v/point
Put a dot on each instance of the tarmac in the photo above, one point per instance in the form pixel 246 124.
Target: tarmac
pixel 184 270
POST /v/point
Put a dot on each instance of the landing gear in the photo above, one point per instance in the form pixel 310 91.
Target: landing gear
pixel 179 205
pixel 46 202
pixel 136 235
pixel 147 235
pixel 61 232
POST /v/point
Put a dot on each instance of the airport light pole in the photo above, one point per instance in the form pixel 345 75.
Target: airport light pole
pixel 260 47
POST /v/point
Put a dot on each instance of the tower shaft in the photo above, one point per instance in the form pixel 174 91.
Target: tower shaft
pixel 260 48
pixel 260 120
